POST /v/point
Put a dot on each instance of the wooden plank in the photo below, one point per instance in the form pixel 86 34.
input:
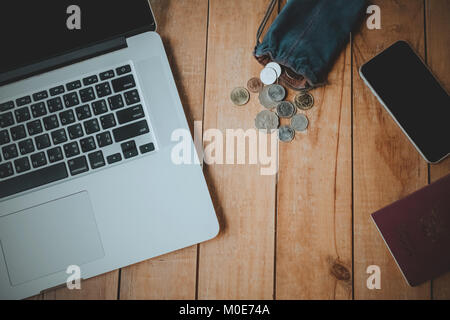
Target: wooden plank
pixel 438 46
pixel 314 233
pixel 239 263
pixel 386 166
pixel 182 25
pixel 103 287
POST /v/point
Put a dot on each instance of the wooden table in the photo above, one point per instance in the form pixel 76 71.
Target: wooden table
pixel 281 235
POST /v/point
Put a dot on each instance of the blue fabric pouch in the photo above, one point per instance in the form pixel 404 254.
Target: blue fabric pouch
pixel 307 37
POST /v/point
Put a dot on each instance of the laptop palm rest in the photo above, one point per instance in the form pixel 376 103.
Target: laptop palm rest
pixel 46 239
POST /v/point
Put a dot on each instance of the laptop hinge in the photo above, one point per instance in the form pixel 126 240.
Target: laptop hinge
pixel 63 60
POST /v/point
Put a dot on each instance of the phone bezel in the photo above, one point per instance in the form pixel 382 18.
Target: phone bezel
pixel 361 74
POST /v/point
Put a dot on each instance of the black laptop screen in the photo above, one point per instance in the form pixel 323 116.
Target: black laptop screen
pixel 32 31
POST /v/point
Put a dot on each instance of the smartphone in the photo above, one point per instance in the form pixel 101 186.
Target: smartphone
pixel 415 99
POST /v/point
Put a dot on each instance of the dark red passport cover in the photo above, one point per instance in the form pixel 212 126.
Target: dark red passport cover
pixel 417 232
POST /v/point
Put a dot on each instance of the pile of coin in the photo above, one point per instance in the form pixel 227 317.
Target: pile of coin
pixel 272 97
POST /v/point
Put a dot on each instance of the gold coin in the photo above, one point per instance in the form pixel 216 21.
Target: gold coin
pixel 240 96
pixel 255 85
pixel 304 101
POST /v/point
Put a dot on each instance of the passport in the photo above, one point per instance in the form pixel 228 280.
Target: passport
pixel 417 232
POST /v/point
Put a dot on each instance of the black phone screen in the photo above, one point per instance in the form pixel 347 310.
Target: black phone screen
pixel 414 97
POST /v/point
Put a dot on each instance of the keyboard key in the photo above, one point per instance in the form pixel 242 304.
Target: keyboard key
pixel 51 122
pixel 71 99
pixel 87 95
pixel 33 180
pixel 18 133
pixel 107 75
pixel 22 115
pixel 90 80
pixel 130 114
pixel 96 160
pixel 71 149
pixel 83 112
pixel 38 160
pixel 87 144
pixel 91 126
pixel 129 149
pixel 38 110
pixel 34 127
pixel 6 106
pixel 6 120
pixel 67 117
pixel 75 131
pixel 123 70
pixel 10 152
pixel 114 158
pixel 56 91
pixel 108 121
pixel 55 155
pixel 22 165
pixel 23 101
pixel 131 131
pixel 104 139
pixel 42 142
pixel 123 83
pixel 73 85
pixel 4 137
pixel 6 170
pixel 116 102
pixel 55 105
pixel 59 136
pixel 78 166
pixel 26 147
pixel 103 89
pixel 40 96
pixel 146 148
pixel 99 107
pixel 132 97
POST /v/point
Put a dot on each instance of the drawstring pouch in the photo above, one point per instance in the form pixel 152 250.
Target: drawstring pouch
pixel 307 37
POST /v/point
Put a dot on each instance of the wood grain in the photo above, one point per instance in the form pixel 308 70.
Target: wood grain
pixel 182 25
pixel 287 236
pixel 438 46
pixel 239 264
pixel 103 287
pixel 314 234
pixel 386 165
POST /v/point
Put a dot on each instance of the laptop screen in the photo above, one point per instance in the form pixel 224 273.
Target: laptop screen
pixel 32 31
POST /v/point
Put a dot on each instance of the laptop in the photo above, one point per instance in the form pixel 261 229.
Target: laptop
pixel 88 105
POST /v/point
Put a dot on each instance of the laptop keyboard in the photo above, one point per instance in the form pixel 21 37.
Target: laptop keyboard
pixel 72 129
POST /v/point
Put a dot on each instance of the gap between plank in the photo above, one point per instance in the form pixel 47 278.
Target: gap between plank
pixel 352 170
pixel 197 271
pixel 425 6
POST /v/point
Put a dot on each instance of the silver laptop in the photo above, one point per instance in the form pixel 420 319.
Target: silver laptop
pixel 88 105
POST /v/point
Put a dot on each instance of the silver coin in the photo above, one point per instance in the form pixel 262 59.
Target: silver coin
pixel 267 120
pixel 300 123
pixel 286 134
pixel 285 109
pixel 240 96
pixel 265 99
pixel 268 76
pixel 276 93
pixel 275 66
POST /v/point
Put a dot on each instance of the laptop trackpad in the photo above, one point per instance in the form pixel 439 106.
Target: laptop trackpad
pixel 46 239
